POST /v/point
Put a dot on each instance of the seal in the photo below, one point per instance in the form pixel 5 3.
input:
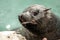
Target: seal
pixel 40 21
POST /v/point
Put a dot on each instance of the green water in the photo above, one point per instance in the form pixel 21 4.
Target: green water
pixel 9 10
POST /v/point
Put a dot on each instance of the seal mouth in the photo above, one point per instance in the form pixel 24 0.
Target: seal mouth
pixel 24 21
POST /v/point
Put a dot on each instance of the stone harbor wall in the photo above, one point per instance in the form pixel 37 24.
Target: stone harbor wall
pixel 11 35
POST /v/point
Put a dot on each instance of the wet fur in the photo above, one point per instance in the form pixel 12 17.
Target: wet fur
pixel 44 27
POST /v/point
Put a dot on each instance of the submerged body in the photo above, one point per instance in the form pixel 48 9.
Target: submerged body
pixel 40 21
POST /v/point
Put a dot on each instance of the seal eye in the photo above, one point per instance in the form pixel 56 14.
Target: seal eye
pixel 36 12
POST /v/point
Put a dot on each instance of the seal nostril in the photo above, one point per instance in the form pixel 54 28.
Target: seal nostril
pixel 22 18
pixel 19 17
